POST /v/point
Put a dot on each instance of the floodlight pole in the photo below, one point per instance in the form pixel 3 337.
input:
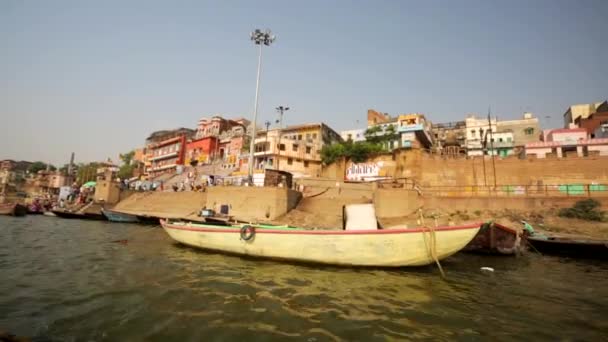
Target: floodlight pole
pixel 259 38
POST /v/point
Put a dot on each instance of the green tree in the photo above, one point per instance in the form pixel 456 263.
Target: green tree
pixel 86 172
pixel 128 165
pixel 38 166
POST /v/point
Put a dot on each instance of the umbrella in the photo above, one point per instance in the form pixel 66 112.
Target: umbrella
pixel 89 184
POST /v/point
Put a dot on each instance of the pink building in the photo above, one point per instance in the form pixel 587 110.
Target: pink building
pixel 565 142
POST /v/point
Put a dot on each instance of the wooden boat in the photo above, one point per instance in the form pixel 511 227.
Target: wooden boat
pixel 78 215
pixel 13 209
pixel 494 238
pixel 373 247
pixel 572 247
pixel 49 213
pixel 116 216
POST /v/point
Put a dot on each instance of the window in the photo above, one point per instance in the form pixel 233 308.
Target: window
pixel 314 135
pixel 308 148
pixel 299 136
pixel 306 163
pixel 529 131
pixel 499 139
pixel 282 147
pixel 509 139
pixel 350 137
pixel 294 148
pixel 473 132
pixel 289 161
pixel 308 136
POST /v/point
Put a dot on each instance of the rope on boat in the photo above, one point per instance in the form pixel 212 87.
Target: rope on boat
pixel 433 246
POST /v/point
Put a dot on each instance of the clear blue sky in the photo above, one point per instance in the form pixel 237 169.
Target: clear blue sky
pixel 95 77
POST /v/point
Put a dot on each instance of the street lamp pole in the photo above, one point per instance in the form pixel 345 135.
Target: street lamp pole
pixel 259 38
pixel 281 110
pixel 266 150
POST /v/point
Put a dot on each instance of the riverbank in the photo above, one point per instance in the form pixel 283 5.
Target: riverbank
pixel 321 208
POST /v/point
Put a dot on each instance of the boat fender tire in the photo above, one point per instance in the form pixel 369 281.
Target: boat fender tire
pixel 247 233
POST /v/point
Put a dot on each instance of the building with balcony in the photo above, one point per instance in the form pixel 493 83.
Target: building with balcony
pixel 295 149
pixel 566 142
pixel 165 150
pixel 414 131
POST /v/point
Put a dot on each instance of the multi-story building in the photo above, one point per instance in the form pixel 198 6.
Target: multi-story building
pixel 219 139
pixel 450 138
pixel 565 142
pixel 601 132
pixel 410 130
pixel 478 134
pixel 525 130
pixel 165 150
pixel 415 131
pixel 581 111
pixel 594 120
pixel 500 144
pixel 296 149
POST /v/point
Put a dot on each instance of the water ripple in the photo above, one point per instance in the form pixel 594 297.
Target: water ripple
pixel 66 280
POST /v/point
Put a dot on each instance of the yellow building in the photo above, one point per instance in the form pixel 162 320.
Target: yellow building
pixel 295 149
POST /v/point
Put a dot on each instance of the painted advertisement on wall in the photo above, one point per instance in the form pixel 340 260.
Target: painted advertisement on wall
pixel 364 171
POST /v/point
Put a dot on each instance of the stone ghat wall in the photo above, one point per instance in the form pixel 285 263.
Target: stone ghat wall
pixel 163 204
pixel 432 170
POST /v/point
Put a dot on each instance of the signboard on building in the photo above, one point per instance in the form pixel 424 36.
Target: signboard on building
pixel 364 171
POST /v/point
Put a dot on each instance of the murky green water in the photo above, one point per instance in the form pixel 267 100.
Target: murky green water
pixel 65 280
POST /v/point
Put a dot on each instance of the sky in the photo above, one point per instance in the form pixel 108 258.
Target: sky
pixel 97 77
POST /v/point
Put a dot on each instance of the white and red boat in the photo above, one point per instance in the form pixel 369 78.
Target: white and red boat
pixel 367 247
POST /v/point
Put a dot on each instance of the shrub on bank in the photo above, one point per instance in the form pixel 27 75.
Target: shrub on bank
pixel 585 210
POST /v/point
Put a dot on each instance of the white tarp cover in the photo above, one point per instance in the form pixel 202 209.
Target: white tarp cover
pixel 360 217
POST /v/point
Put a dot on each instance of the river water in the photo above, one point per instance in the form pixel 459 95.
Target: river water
pixel 65 280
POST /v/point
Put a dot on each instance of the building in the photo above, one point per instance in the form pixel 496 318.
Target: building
pixel 500 144
pixel 165 150
pixel 296 149
pixel 409 130
pixel 594 120
pixel 414 131
pixel 478 134
pixel 580 111
pixel 219 140
pixel 450 138
pixel 201 151
pixel 601 131
pixel 524 130
pixel 565 142
pixel 353 135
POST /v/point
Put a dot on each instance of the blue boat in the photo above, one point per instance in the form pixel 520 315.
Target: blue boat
pixel 116 216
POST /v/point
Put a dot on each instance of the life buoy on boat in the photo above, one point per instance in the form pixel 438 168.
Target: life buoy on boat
pixel 247 232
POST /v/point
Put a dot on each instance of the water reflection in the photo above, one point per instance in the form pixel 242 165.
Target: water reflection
pixel 68 281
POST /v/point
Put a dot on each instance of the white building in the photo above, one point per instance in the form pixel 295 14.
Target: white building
pixel 353 134
pixel 476 129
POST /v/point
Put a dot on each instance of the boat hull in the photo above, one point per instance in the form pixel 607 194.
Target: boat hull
pixel 82 216
pixel 13 209
pixel 380 248
pixel 570 247
pixel 116 216
pixel 496 239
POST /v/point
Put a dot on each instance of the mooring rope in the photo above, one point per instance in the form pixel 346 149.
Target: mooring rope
pixel 432 249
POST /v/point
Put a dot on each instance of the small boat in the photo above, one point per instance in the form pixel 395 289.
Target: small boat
pixel 116 216
pixel 572 247
pixel 49 213
pixel 360 247
pixel 13 209
pixel 494 238
pixel 78 215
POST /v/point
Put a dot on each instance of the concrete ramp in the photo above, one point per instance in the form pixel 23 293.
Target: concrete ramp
pixel 163 204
